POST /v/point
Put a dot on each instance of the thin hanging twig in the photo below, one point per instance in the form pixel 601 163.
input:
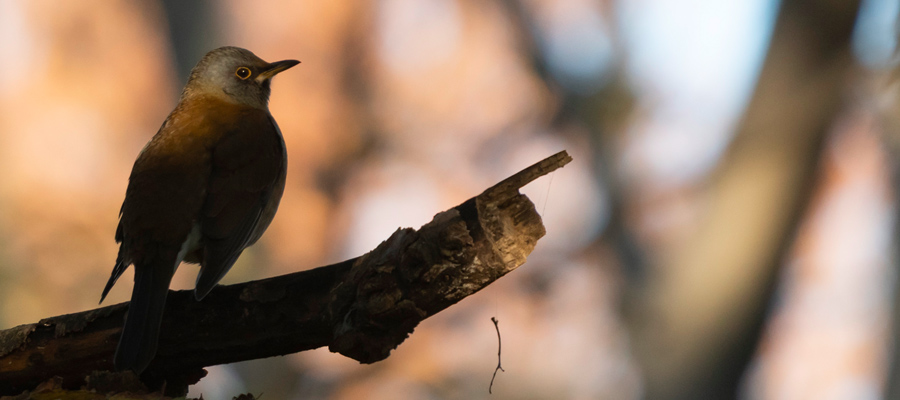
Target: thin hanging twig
pixel 499 368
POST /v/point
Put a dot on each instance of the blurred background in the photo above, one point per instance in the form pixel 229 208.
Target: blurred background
pixel 727 229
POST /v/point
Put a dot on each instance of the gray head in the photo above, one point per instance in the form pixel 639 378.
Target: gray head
pixel 235 74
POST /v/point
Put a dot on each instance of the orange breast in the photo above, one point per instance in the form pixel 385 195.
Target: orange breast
pixel 169 183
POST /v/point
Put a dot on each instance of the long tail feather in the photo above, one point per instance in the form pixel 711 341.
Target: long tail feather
pixel 137 345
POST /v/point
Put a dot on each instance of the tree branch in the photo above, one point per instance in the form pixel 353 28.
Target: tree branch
pixel 362 308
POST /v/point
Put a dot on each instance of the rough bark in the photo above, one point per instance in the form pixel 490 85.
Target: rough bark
pixel 362 308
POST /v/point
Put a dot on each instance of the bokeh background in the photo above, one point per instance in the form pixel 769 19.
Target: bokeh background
pixel 727 229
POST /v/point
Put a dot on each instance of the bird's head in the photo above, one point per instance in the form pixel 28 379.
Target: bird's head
pixel 235 74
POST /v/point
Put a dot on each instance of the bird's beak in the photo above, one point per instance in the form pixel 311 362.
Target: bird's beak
pixel 271 69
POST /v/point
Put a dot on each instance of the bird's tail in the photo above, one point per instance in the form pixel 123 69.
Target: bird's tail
pixel 137 345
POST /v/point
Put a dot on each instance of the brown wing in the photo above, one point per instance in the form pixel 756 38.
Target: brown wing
pixel 165 194
pixel 247 163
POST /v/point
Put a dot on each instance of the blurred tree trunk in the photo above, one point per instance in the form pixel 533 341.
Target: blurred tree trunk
pixel 892 384
pixel 193 30
pixel 887 87
pixel 698 318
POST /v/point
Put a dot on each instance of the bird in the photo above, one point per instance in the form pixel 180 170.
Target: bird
pixel 202 190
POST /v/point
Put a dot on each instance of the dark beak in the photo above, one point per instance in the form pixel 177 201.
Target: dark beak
pixel 271 69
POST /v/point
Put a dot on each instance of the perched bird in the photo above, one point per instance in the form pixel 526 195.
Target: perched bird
pixel 203 189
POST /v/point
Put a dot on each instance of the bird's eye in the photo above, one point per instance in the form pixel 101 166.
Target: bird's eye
pixel 242 72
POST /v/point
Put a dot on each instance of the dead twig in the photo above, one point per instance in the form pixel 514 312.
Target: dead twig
pixel 499 348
